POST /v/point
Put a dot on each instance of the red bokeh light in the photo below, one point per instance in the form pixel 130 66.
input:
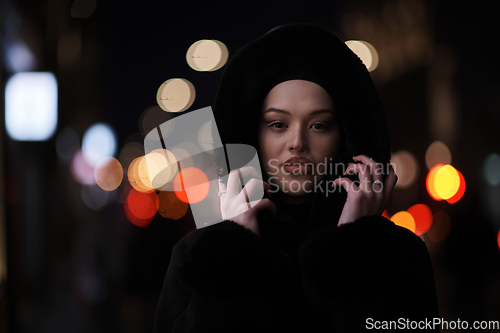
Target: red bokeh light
pixel 422 215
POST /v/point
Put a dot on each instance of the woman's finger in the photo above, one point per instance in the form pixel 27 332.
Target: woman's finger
pixel 222 189
pixel 390 182
pixel 346 183
pixel 235 181
pixel 364 175
pixel 376 171
pixel 253 189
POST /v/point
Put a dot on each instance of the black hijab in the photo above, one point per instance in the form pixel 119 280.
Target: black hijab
pixel 314 53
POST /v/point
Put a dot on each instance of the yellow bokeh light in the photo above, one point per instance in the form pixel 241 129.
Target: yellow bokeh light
pixel 175 95
pixel 108 173
pixel 207 55
pixel 404 219
pixel 406 167
pixel 446 182
pixel 161 167
pixel 366 52
pixel 437 153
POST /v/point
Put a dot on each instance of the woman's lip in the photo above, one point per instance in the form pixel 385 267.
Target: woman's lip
pixel 298 169
pixel 296 161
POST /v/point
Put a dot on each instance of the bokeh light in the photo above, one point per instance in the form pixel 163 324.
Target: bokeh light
pixel 170 205
pixel 446 182
pixel 175 95
pixel 191 185
pixel 437 153
pixel 441 226
pixel 461 191
pixel 81 170
pixel 136 175
pixel 429 182
pixel 67 143
pixel 207 55
pixel 31 106
pixel 404 219
pixel 366 52
pixel 491 169
pixel 161 167
pixel 140 208
pixel 406 167
pixel 498 239
pixel 422 215
pixel 98 141
pixel 108 173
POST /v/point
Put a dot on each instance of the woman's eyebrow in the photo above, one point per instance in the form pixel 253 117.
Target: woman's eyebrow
pixel 311 114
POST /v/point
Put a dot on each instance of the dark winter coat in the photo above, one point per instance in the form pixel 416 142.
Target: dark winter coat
pixel 304 274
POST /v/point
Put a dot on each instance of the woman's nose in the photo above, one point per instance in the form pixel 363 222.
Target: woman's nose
pixel 298 140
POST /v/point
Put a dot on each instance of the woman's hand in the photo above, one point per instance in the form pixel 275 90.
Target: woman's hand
pixel 371 196
pixel 236 206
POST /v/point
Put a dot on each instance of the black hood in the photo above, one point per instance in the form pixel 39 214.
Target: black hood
pixel 247 79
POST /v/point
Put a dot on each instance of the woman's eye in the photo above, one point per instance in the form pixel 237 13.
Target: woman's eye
pixel 318 126
pixel 276 125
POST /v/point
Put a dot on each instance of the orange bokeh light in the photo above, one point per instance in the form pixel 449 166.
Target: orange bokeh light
pixel 460 192
pixel 108 173
pixel 140 208
pixel 404 219
pixel 444 182
pixel 137 175
pixel 191 185
pixel 422 215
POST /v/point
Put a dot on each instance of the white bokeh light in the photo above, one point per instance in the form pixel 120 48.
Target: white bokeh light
pixel 31 106
pixel 98 141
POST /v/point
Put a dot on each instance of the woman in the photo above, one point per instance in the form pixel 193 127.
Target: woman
pixel 315 255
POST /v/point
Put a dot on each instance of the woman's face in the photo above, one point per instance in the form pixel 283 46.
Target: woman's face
pixel 299 136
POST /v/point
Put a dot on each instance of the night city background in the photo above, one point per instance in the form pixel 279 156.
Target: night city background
pixel 81 257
